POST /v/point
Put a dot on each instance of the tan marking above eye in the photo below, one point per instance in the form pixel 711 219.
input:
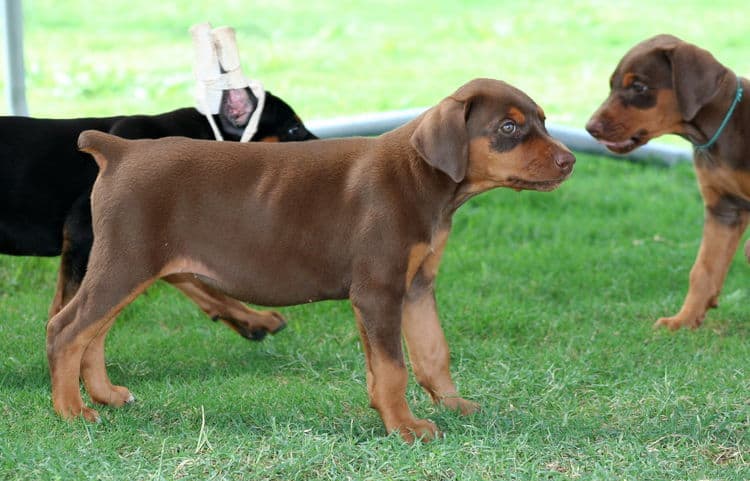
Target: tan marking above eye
pixel 517 116
pixel 627 80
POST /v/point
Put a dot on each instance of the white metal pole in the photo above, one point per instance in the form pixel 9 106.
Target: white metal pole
pixel 14 66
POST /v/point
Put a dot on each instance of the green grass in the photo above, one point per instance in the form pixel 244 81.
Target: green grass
pixel 332 58
pixel 547 300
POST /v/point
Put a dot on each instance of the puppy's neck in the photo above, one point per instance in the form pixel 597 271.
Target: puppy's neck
pixel 426 181
pixel 731 145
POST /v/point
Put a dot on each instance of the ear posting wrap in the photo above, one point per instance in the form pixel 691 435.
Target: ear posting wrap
pixel 207 72
pixel 217 68
pixel 229 60
pixel 252 124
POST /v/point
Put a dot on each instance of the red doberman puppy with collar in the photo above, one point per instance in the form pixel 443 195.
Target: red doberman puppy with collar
pixel 279 224
pixel 667 86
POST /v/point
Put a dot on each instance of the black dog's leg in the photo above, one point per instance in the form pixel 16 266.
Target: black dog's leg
pixel 78 238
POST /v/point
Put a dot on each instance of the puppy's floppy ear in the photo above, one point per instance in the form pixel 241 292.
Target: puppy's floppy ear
pixel 441 138
pixel 696 76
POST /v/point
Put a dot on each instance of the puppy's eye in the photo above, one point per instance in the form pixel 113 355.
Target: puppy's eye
pixel 638 87
pixel 294 130
pixel 508 127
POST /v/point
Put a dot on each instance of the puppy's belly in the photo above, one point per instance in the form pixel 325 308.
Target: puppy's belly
pixel 275 291
pixel 265 273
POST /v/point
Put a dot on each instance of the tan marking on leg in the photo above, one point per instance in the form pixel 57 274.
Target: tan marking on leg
pixel 69 334
pixel 718 246
pixel 425 340
pixel 65 366
pixel 94 374
pixel 707 276
pixel 386 386
pixel 417 254
pixel 429 354
pixel 432 262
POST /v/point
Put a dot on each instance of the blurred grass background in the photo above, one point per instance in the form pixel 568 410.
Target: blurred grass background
pixel 337 58
pixel 547 299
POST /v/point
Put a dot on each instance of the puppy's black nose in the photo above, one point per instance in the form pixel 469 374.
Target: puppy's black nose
pixel 564 160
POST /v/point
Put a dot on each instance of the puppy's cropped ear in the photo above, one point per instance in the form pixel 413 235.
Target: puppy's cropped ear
pixel 696 76
pixel 442 140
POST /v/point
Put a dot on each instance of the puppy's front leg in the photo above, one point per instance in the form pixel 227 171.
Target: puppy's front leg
pixel 721 235
pixel 379 324
pixel 428 350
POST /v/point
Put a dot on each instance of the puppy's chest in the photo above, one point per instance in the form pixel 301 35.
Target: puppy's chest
pixel 720 181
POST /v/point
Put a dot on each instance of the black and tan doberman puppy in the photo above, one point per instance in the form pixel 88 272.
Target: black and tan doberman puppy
pixel 667 86
pixel 360 218
pixel 45 183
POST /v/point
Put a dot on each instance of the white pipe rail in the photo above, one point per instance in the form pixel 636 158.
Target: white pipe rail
pixel 576 139
pixel 15 88
pixel 358 125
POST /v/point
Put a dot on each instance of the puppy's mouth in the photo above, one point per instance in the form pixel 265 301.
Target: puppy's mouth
pixel 626 146
pixel 519 184
pixel 239 119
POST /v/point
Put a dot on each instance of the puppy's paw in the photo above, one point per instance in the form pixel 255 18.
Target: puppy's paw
pixel 280 322
pixel 116 396
pixel 255 325
pixel 461 405
pixel 72 412
pixel 417 429
pixel 91 415
pixel 676 322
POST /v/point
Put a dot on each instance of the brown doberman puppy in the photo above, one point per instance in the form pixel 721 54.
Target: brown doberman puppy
pixel 667 86
pixel 279 224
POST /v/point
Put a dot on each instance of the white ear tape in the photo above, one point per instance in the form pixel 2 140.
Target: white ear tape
pixel 252 124
pixel 207 73
pixel 229 58
pixel 217 68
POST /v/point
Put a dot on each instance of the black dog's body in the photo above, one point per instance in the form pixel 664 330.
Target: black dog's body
pixel 42 174
pixel 45 182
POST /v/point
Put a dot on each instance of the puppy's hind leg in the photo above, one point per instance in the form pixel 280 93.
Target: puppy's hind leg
pixel 94 370
pixel 75 339
pixel 249 323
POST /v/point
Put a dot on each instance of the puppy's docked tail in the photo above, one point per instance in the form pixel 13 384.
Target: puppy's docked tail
pixel 103 147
